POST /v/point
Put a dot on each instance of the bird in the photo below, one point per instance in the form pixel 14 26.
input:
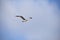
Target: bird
pixel 24 20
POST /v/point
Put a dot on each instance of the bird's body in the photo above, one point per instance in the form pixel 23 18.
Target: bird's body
pixel 24 20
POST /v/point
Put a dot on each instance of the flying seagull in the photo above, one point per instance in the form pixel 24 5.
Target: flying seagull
pixel 24 20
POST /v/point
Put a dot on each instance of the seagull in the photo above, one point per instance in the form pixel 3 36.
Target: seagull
pixel 24 20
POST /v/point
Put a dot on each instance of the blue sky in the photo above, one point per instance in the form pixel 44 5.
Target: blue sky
pixel 43 26
pixel 56 1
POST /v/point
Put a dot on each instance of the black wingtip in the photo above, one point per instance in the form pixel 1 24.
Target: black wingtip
pixel 18 16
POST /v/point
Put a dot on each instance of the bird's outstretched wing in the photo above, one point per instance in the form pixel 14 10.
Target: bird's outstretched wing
pixel 21 17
